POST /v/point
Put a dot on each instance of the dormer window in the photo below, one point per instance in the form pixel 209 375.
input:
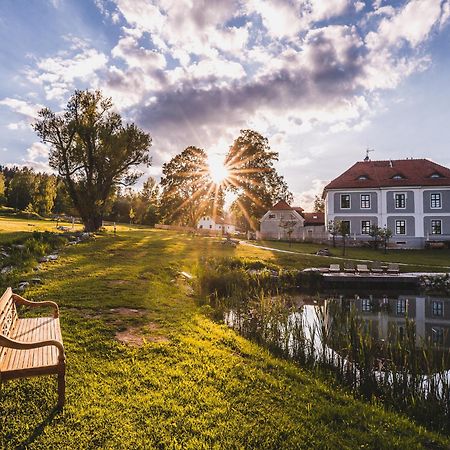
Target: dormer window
pixel 398 176
pixel 435 175
pixel 363 177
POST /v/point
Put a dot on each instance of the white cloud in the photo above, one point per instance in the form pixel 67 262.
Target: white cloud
pixel 22 107
pixel 18 126
pixel 58 74
pixel 412 24
pixel 36 158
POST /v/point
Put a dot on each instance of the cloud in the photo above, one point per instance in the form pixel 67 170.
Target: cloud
pixel 22 107
pixel 18 126
pixel 58 74
pixel 37 157
pixel 411 24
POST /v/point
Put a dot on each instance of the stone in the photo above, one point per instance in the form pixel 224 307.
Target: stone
pixel 7 269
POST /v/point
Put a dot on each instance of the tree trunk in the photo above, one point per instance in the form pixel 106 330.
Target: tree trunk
pixel 92 222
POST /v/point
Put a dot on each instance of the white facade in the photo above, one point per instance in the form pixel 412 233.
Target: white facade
pixel 209 223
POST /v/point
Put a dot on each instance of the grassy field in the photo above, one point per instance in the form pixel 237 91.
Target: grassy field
pixel 188 382
pixel 418 260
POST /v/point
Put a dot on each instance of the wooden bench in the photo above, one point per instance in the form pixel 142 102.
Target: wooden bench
pixel 30 346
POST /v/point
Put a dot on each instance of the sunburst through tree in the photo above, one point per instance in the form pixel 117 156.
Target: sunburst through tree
pixel 195 184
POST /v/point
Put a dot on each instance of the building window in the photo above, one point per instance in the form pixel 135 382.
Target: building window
pixel 345 201
pixel 345 224
pixel 435 201
pixel 436 227
pixel 365 226
pixel 400 227
pixel 366 305
pixel 272 216
pixel 402 306
pixel 365 201
pixel 210 226
pixel 437 335
pixel 400 201
pixel 437 308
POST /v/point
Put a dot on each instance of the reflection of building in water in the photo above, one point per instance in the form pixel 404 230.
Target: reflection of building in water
pixel 386 317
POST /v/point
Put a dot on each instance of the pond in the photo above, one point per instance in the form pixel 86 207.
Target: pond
pixel 391 346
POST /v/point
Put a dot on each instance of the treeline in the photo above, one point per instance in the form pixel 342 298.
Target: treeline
pixel 43 194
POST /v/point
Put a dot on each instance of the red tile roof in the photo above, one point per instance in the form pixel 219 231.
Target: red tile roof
pixel 281 206
pixel 316 218
pixel 399 172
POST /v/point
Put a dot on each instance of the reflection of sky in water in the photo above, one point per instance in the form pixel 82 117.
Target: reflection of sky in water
pixel 384 316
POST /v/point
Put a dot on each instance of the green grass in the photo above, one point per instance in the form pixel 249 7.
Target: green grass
pixel 437 260
pixel 194 383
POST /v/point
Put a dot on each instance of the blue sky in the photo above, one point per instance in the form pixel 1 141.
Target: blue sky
pixel 323 80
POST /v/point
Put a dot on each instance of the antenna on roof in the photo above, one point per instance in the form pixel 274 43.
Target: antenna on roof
pixel 368 150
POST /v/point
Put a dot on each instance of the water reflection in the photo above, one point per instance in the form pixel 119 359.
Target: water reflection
pixel 415 321
pixel 386 317
pixel 395 348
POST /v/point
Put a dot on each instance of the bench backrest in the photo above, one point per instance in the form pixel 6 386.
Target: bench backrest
pixel 8 313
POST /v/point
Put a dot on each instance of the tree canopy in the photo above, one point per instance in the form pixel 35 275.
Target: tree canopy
pixel 93 151
pixel 188 191
pixel 253 177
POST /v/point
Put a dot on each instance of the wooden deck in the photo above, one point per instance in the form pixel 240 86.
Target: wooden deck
pixel 372 278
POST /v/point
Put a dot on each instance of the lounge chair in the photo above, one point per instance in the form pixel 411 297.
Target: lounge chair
pixel 376 267
pixel 362 268
pixel 349 267
pixel 393 268
pixel 334 268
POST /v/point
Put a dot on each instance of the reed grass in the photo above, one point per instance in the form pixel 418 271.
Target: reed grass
pixel 405 375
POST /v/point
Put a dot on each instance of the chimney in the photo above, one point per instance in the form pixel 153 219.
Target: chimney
pixel 390 163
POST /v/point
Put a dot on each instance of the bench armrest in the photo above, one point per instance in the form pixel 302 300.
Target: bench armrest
pixel 11 343
pixel 23 301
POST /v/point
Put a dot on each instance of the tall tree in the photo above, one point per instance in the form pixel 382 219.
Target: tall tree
pixel 253 177
pixel 188 191
pixel 319 204
pixel 22 188
pixel 2 189
pixel 93 151
pixel 45 194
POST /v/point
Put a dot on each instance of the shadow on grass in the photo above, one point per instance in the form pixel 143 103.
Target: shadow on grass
pixel 39 429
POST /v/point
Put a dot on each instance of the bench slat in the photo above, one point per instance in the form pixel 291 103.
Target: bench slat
pixel 30 330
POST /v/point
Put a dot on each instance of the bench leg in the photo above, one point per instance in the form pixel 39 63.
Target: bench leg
pixel 61 387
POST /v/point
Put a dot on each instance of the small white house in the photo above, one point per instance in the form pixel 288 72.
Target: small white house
pixel 216 224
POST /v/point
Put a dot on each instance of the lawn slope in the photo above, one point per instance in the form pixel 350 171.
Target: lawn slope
pixel 193 383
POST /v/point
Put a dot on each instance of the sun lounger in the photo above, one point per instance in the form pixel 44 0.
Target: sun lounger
pixel 349 267
pixel 393 268
pixel 334 268
pixel 376 267
pixel 362 268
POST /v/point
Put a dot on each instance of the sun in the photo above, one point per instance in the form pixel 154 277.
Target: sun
pixel 218 170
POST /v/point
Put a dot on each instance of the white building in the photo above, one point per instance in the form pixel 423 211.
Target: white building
pixel 216 224
pixel 410 197
pixel 285 222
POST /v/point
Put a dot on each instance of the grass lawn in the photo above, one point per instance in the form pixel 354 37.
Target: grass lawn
pixel 436 260
pixel 13 228
pixel 192 383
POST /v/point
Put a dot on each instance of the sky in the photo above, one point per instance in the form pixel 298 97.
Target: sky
pixel 323 80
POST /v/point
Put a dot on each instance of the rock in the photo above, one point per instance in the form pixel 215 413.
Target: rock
pixel 43 259
pixel 22 286
pixel 52 257
pixel 36 281
pixel 7 269
pixel 20 246
pixel 5 255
